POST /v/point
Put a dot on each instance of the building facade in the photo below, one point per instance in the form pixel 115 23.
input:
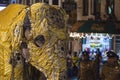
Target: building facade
pixel 86 9
pixel 29 2
pixel 93 9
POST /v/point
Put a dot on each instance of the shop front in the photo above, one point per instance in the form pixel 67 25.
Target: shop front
pixel 97 40
pixel 95 34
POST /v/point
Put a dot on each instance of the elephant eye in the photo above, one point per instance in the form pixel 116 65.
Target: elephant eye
pixel 18 58
pixel 39 41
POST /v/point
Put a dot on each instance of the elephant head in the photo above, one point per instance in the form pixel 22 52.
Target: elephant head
pixel 39 34
pixel 48 43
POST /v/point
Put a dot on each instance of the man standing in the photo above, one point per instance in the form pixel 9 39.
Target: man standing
pixel 87 68
pixel 111 69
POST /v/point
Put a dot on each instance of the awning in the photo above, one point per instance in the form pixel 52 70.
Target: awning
pixel 91 26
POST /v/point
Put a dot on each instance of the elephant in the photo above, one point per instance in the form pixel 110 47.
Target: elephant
pixel 33 39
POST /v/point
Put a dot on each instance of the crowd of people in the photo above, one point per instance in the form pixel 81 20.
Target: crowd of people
pixel 86 67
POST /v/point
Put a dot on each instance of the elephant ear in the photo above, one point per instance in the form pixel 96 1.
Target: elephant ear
pixel 11 22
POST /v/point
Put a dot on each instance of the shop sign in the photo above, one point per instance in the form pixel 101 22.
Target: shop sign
pixel 97 27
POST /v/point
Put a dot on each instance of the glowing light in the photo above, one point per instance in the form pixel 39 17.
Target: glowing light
pixel 1 8
pixel 84 35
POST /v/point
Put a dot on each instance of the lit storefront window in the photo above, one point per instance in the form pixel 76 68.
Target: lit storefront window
pixel 94 40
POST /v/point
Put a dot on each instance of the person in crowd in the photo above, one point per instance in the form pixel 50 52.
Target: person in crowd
pixel 87 68
pixel 69 64
pixel 104 56
pixel 98 52
pixel 75 60
pixel 97 65
pixel 111 69
pixel 80 59
pixel 80 55
pixel 98 56
pixel 92 55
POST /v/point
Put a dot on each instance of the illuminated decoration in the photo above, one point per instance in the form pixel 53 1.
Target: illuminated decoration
pixel 94 35
pixel 1 8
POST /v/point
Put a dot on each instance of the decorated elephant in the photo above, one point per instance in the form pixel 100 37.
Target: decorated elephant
pixel 33 40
